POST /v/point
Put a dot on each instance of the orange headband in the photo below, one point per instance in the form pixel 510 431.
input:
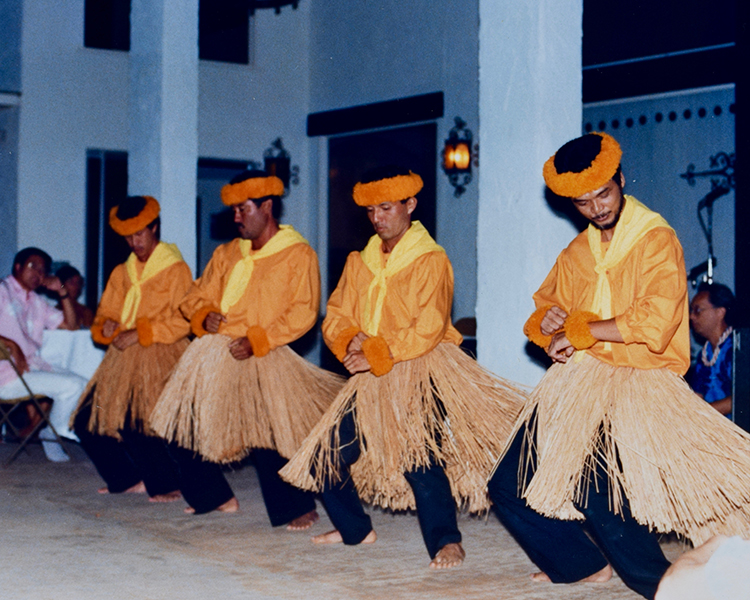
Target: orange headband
pixel 140 221
pixel 602 169
pixel 251 189
pixel 391 189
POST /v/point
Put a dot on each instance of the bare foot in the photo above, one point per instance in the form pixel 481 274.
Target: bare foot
pixel 230 506
pixel 334 537
pixel 168 497
pixel 303 522
pixel 449 556
pixel 599 577
pixel 138 488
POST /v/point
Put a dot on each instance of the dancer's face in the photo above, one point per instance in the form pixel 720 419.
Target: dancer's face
pixel 603 206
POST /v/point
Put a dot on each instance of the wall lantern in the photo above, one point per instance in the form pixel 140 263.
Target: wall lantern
pixel 276 5
pixel 276 161
pixel 458 156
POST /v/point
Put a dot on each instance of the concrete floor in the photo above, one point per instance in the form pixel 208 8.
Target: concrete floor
pixel 61 540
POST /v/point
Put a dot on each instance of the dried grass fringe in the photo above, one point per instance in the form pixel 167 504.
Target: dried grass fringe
pixel 128 384
pixel 682 466
pixel 442 404
pixel 222 408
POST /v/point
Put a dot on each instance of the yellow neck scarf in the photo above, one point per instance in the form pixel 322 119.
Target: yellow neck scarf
pixel 240 276
pixel 163 256
pixel 635 221
pixel 415 243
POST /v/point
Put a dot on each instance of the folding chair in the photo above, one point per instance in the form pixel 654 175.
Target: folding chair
pixel 8 407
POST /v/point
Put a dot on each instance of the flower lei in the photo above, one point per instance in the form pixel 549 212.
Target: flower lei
pixel 717 350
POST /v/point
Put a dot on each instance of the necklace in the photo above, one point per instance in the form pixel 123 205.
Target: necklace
pixel 715 356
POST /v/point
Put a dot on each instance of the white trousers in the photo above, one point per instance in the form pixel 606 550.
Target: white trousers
pixel 64 387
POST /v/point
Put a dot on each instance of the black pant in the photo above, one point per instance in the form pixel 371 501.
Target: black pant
pixel 436 508
pixel 284 502
pixel 136 458
pixel 562 549
pixel 202 483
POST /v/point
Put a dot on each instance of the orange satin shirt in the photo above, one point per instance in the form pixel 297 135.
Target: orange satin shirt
pixel 160 300
pixel 649 300
pixel 282 297
pixel 416 311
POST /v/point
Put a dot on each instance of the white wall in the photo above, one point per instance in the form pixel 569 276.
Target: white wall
pixel 365 52
pixel 75 98
pixel 530 104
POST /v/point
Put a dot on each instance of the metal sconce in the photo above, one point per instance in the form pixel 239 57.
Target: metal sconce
pixel 458 156
pixel 276 161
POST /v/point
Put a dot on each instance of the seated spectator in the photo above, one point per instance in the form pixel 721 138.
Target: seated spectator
pixel 711 313
pixel 72 281
pixel 24 316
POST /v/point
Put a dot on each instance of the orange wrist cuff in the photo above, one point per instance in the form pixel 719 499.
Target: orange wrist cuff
pixel 577 329
pixel 258 340
pixel 532 329
pixel 341 343
pixel 378 355
pixel 196 321
pixel 98 336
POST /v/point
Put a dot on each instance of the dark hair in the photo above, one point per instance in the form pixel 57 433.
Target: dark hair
pixel 276 205
pixel 67 272
pixel 578 154
pixel 720 296
pixel 24 255
pixel 384 172
pixel 132 206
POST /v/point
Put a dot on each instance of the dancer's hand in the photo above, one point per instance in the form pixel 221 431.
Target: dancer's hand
pixel 553 321
pixel 240 348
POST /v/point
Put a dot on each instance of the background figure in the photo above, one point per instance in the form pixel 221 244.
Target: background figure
pixel 24 315
pixel 72 280
pixel 711 317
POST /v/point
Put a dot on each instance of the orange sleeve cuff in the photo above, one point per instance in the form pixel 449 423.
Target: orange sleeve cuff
pixel 98 336
pixel 258 340
pixel 196 321
pixel 577 329
pixel 532 329
pixel 145 332
pixel 378 355
pixel 340 344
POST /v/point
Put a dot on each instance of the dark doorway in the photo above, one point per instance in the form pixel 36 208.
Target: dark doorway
pixel 106 186
pixel 349 157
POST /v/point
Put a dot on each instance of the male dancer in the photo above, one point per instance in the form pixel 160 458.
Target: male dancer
pixel 419 422
pixel 239 387
pixel 139 319
pixel 613 434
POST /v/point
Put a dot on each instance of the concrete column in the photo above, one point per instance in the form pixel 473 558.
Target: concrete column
pixel 163 148
pixel 529 105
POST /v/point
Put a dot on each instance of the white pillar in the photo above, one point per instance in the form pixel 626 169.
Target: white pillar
pixel 529 105
pixel 163 148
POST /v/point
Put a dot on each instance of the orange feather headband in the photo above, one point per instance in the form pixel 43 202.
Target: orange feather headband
pixel 140 221
pixel 251 189
pixel 391 189
pixel 602 169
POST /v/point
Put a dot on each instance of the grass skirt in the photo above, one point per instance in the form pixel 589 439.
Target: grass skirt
pixel 127 385
pixel 222 408
pixel 681 465
pixel 442 405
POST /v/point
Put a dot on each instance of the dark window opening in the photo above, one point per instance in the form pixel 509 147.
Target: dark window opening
pixel 224 31
pixel 107 24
